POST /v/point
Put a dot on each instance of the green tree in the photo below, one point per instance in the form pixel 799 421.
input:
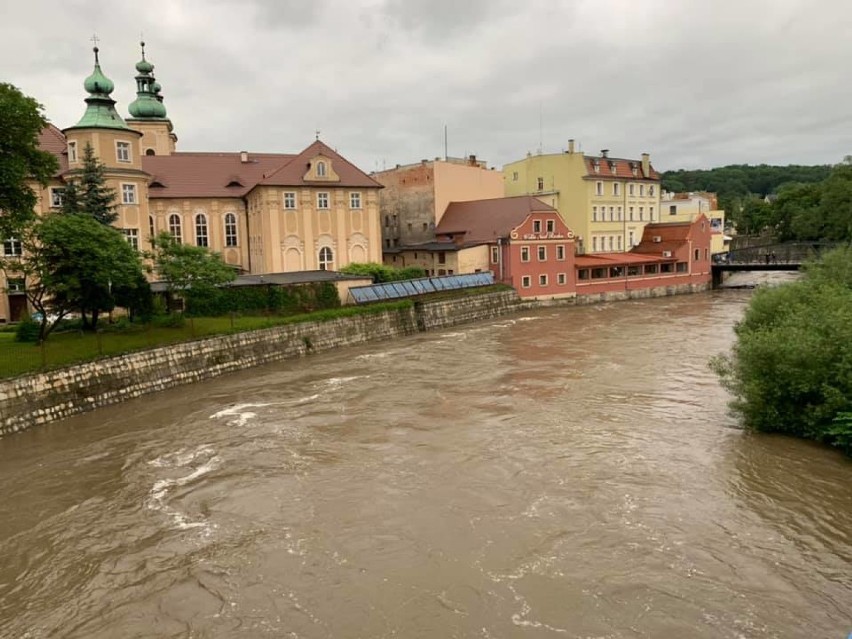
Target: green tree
pixel 73 262
pixel 184 267
pixel 20 158
pixel 87 193
pixel 790 370
pixel 382 272
pixel 836 204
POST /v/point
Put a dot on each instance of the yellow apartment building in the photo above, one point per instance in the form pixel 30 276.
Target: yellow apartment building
pixel 686 207
pixel 606 201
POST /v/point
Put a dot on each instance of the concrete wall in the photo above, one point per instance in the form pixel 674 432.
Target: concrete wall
pixel 32 400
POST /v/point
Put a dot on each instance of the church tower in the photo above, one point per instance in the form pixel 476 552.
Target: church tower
pixel 116 145
pixel 148 113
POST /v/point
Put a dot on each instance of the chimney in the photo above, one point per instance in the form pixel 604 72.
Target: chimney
pixel 243 156
pixel 604 153
pixel 646 165
pixel 571 145
pixel 471 159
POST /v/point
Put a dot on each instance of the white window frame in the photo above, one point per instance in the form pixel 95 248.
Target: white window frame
pixel 325 258
pixel 598 188
pixel 641 213
pixel 132 237
pixel 321 172
pixel 12 247
pixel 616 187
pixel 120 147
pixel 201 226
pixel 525 254
pixel 594 214
pixel 72 152
pixel 526 281
pixel 651 213
pixel 560 252
pixel 542 279
pixel 611 213
pixel 594 244
pixel 322 200
pixel 541 253
pixel 536 226
pixel 230 222
pixel 641 190
pixel 631 189
pixel 561 279
pixel 651 190
pixel 57 195
pixel 550 226
pixel 355 200
pixel 289 200
pixel 176 227
pixel 129 188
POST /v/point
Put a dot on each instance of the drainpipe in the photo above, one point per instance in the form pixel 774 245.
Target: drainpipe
pixel 248 234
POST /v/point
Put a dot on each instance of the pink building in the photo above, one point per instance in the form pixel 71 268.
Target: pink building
pixel 670 254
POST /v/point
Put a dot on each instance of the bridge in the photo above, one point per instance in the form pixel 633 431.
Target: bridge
pixel 784 256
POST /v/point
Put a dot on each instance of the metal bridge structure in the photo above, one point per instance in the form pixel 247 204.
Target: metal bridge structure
pixel 782 256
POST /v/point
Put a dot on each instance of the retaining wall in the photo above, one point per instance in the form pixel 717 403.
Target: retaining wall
pixel 44 397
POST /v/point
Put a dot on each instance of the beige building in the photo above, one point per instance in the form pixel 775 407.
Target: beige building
pixel 264 212
pixel 415 196
pixel 686 207
pixel 606 201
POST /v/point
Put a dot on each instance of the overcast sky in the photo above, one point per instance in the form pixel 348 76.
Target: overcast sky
pixel 696 83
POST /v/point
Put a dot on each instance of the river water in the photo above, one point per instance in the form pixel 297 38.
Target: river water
pixel 559 473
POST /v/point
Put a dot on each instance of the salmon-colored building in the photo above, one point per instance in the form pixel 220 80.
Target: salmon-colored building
pixel 670 254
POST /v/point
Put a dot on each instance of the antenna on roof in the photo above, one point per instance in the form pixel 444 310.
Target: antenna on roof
pixel 445 143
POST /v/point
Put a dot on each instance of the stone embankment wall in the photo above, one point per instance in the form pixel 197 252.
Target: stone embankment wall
pixel 44 397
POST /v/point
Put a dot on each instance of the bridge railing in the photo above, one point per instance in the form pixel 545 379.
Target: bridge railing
pixel 785 253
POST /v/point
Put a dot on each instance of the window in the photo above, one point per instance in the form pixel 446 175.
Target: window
pixel 668 267
pixel 611 213
pixel 633 271
pixel 630 213
pixel 560 279
pixel 610 242
pixel 132 237
pixel 355 200
pixel 442 257
pixel 632 239
pixel 541 184
pixel 526 281
pixel 321 170
pixel 651 213
pixel 620 240
pixel 289 200
pixel 542 253
pixel 230 229
pixel 697 254
pixel 12 247
pixel 681 267
pixel 619 214
pixel 525 254
pixel 425 226
pixel 515 176
pixel 616 188
pixel 16 285
pixel 651 190
pixel 583 274
pixel 551 226
pixel 57 195
pixel 651 269
pixel 631 186
pixel 599 273
pixel 542 280
pixel 122 151
pixel 150 152
pixel 326 259
pixel 536 226
pixel 673 209
pixel 594 244
pixel 706 254
pixel 495 254
pixel 175 227
pixel 641 189
pixel 322 200
pixel 560 252
pixel 641 213
pixel 201 238
pixel 128 194
pixel 387 221
pixel 598 188
pixel 594 214
pixel 151 231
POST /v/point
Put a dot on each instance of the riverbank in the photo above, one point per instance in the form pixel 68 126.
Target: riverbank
pixel 41 398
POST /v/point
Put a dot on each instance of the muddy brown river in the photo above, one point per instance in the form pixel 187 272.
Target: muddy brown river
pixel 558 473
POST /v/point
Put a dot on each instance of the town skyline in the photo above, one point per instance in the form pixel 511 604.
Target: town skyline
pixel 694 86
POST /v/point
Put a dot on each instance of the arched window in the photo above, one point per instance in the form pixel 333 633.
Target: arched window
pixel 326 259
pixel 320 169
pixel 174 227
pixel 201 230
pixel 230 229
pixel 150 152
pixel 151 230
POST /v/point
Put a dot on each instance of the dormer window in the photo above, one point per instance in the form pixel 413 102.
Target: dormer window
pixel 635 170
pixel 597 167
pixel 321 169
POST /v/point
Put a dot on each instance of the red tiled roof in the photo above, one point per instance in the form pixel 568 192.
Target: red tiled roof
pixel 52 140
pixel 293 173
pixel 485 220
pixel 672 236
pixel 190 174
pixel 617 168
pixel 612 259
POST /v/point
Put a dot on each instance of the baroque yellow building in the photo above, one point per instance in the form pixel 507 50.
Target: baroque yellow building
pixel 264 212
pixel 606 201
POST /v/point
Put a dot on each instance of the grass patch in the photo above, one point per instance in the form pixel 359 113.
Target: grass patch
pixel 464 292
pixel 71 347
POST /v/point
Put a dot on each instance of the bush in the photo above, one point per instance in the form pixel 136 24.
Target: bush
pixel 382 273
pixel 27 330
pixel 791 367
pixel 172 320
pixel 264 299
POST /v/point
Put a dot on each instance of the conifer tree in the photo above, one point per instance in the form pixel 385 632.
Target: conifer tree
pixel 88 193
